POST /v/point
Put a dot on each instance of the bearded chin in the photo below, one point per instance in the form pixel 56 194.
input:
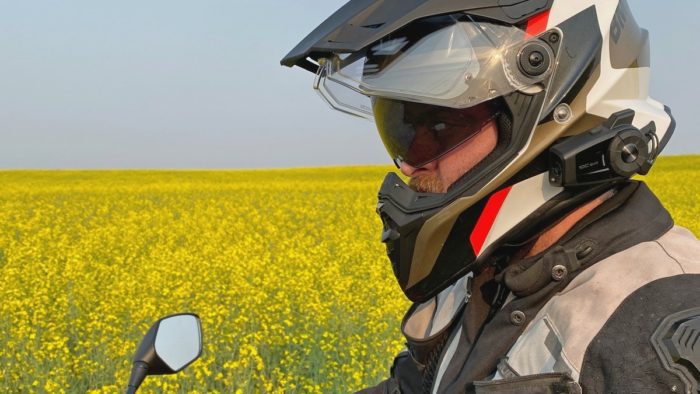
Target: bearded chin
pixel 428 183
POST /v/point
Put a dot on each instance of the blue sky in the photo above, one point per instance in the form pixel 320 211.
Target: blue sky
pixel 185 84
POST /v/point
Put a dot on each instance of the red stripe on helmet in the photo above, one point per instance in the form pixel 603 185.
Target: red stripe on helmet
pixel 487 218
pixel 537 24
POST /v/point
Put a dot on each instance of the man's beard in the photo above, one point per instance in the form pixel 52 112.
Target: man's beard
pixel 427 183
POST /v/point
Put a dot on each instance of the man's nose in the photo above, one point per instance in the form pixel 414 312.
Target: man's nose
pixel 411 171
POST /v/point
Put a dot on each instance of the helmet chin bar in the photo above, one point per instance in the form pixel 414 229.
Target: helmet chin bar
pixel 401 230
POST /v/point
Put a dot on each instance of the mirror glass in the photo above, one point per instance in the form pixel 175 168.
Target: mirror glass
pixel 179 340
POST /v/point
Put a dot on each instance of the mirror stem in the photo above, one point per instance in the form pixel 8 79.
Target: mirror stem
pixel 138 374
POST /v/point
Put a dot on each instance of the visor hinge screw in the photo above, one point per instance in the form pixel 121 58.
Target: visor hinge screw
pixel 554 38
pixel 468 77
pixel 562 113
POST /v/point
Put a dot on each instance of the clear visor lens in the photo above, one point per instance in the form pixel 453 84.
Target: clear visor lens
pixel 343 94
pixel 450 61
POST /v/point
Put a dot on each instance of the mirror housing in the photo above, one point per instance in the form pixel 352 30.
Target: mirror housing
pixel 170 345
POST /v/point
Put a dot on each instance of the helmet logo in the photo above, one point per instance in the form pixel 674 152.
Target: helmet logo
pixel 619 21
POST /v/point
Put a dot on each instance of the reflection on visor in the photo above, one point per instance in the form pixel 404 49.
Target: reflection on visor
pixel 420 133
pixel 451 61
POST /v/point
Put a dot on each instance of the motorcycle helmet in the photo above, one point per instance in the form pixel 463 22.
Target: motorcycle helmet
pixel 566 81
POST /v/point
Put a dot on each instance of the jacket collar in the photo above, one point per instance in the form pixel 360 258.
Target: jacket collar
pixel 633 215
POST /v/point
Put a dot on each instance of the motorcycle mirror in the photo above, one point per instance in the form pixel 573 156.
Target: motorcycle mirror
pixel 170 345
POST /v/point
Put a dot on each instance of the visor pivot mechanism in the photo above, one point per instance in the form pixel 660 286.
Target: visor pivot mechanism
pixel 533 59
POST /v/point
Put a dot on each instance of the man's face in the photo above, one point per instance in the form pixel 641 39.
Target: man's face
pixel 435 145
pixel 438 175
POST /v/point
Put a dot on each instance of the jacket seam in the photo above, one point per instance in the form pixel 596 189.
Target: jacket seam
pixel 671 257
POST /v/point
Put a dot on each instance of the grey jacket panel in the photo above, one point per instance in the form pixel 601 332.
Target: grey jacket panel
pixel 557 339
pixel 650 343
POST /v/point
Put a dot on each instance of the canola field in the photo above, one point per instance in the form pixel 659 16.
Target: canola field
pixel 284 267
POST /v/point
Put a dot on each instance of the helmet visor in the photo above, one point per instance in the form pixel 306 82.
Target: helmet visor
pixel 417 134
pixel 450 60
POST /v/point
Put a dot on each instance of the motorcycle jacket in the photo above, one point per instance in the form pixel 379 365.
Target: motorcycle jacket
pixel 613 306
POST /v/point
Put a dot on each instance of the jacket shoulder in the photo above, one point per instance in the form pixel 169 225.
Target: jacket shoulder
pixel 650 343
pixel 558 337
pixel 647 344
pixel 682 246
